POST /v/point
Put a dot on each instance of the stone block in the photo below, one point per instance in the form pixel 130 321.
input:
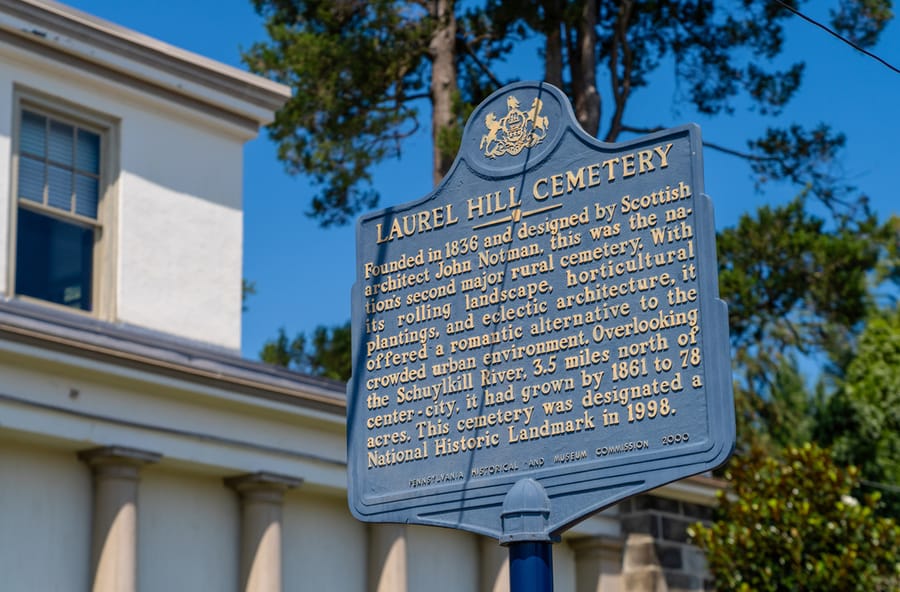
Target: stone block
pixel 644 523
pixel 694 560
pixel 698 512
pixel 640 552
pixel 645 581
pixel 682 582
pixel 669 555
pixel 675 529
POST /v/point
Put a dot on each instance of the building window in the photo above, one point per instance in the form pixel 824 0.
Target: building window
pixel 59 184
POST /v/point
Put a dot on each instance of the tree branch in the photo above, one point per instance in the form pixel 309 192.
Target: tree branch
pixel 621 86
pixel 706 144
pixel 738 153
pixel 464 44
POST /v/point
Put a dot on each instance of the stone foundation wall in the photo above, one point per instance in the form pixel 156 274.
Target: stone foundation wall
pixel 657 554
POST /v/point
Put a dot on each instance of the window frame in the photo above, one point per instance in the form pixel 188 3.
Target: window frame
pixel 103 267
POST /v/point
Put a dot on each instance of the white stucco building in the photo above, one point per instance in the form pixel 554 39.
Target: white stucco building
pixel 138 451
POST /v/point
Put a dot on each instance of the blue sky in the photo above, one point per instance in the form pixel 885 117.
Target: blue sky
pixel 303 274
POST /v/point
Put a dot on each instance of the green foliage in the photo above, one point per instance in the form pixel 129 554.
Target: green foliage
pixel 360 70
pixel 283 351
pixel 795 287
pixel 788 416
pixel 792 525
pixel 888 271
pixel 248 289
pixel 807 158
pixel 722 54
pixel 862 420
pixel 785 259
pixel 353 66
pixel 327 353
pixel 862 20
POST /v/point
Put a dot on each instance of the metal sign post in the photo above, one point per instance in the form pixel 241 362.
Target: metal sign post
pixel 530 567
pixel 525 513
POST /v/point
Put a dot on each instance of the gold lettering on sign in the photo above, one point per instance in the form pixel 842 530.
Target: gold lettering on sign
pixel 411 224
pixel 539 313
pixel 616 169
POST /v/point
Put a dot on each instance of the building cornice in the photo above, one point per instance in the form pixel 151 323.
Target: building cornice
pixel 131 347
pixel 128 56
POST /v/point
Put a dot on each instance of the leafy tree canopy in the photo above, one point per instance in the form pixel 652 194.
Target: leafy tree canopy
pixel 862 420
pixel 797 287
pixel 326 354
pixel 361 69
pixel 792 524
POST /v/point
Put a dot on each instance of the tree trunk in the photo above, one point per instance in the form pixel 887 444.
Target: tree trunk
pixel 583 65
pixel 442 49
pixel 553 54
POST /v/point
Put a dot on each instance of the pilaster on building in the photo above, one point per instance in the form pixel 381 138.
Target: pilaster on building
pixel 114 535
pixel 261 555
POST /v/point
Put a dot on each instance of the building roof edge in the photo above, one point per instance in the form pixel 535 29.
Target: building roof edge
pixel 159 353
pixel 158 59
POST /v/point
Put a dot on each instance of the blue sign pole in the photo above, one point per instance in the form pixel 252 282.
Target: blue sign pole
pixel 526 509
pixel 530 567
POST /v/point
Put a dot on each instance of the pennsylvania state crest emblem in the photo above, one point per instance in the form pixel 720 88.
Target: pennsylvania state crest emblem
pixel 515 131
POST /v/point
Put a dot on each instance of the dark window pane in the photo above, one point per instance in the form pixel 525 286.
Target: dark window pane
pixel 87 157
pixel 31 179
pixel 34 130
pixel 54 260
pixel 60 148
pixel 59 189
pixel 87 195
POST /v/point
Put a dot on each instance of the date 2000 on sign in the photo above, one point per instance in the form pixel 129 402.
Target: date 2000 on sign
pixel 670 439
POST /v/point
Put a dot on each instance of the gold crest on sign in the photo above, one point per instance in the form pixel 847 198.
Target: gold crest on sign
pixel 515 131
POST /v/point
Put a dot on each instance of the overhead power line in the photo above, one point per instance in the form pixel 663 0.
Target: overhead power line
pixel 839 36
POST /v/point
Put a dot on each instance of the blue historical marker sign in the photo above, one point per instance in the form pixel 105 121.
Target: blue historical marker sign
pixel 550 312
